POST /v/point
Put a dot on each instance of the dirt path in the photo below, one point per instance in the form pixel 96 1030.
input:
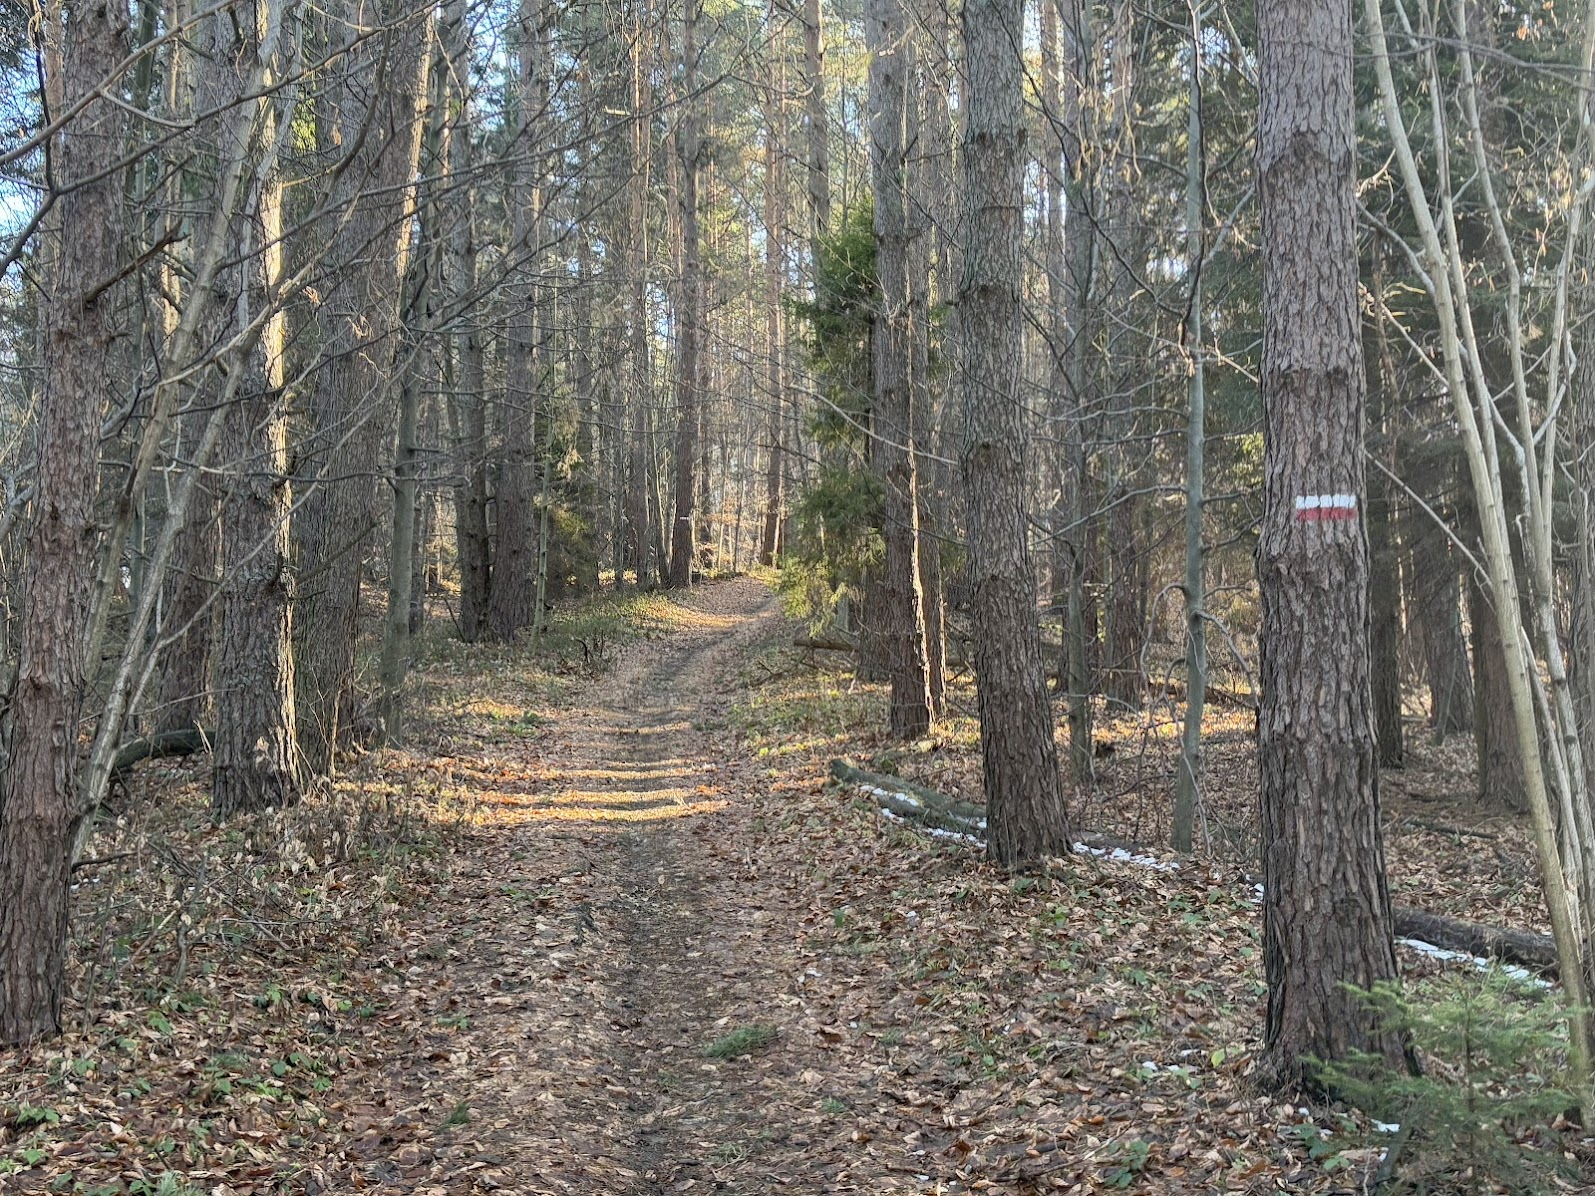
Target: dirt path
pixel 582 962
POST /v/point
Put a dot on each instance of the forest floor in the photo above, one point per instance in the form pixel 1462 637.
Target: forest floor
pixel 604 926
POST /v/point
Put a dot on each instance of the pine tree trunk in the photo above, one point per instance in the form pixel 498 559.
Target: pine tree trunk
pixel 897 608
pixel 1435 612
pixel 378 100
pixel 689 316
pixel 1500 771
pixel 636 503
pixel 40 810
pixel 1079 242
pixel 467 409
pixel 515 550
pixel 185 698
pixel 774 272
pixel 1384 563
pixel 1326 909
pixel 1188 786
pixel 1024 794
pixel 255 751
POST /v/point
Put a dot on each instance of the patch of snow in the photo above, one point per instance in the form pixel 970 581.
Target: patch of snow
pixel 908 799
pixel 1441 953
pixel 935 832
pixel 1386 1127
pixel 1120 855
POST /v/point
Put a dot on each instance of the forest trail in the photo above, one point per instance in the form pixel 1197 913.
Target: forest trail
pixel 607 935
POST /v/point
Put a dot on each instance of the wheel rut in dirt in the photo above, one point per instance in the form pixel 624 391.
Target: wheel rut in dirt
pixel 602 954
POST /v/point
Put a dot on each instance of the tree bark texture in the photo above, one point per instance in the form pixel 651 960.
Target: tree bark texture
pixel 1435 614
pixel 1326 907
pixel 255 750
pixel 467 407
pixel 689 314
pixel 515 558
pixel 40 809
pixel 374 107
pixel 898 612
pixel 1024 792
pixel 1500 775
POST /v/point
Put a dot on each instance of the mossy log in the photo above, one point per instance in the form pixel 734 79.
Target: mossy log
pixel 908 800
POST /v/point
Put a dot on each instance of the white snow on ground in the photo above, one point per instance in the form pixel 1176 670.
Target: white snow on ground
pixel 1117 854
pixel 935 832
pixel 1510 969
pixel 1152 863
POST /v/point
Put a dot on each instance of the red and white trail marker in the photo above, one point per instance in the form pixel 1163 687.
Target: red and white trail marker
pixel 1321 508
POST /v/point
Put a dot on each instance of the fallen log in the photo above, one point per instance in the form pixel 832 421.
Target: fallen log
pixel 908 800
pixel 165 743
pixel 824 643
pixel 937 810
pixel 1537 951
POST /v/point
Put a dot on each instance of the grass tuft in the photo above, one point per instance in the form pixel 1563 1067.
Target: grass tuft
pixel 742 1041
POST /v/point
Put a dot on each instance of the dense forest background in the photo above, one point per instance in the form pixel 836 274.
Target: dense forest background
pixel 1102 384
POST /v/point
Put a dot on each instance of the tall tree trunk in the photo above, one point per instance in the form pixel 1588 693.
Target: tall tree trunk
pixel 1079 260
pixel 898 617
pixel 1125 549
pixel 689 316
pixel 590 410
pixel 1188 786
pixel 375 106
pixel 1024 793
pixel 929 227
pixel 775 206
pixel 1434 611
pixel 467 396
pixel 40 809
pixel 515 556
pixel 1327 927
pixel 1384 559
pixel 415 323
pixel 1500 769
pixel 255 751
pixel 636 503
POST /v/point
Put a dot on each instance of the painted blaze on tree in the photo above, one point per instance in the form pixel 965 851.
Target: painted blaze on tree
pixel 1326 911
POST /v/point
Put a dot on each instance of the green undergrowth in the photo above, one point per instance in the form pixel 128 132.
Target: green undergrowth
pixel 1477 1116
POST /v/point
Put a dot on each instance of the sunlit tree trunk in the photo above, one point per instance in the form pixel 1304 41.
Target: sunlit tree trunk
pixel 897 608
pixel 515 528
pixel 255 750
pixel 689 315
pixel 374 106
